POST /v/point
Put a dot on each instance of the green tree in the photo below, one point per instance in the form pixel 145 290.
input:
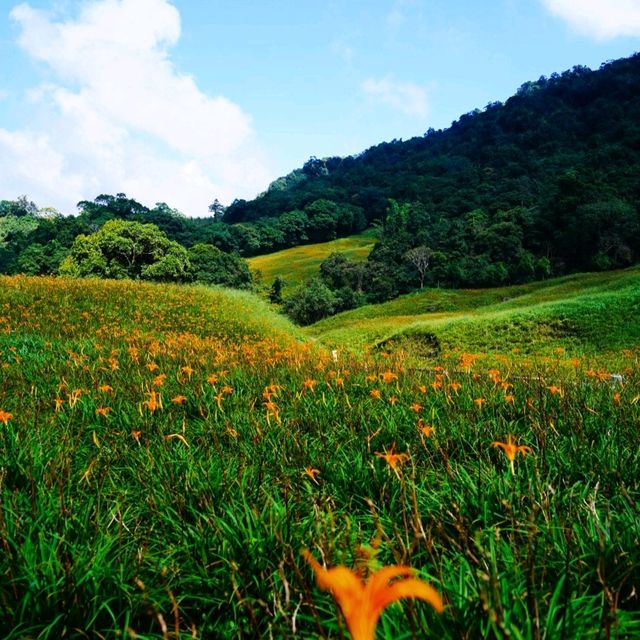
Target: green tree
pixel 122 249
pixel 210 265
pixel 310 302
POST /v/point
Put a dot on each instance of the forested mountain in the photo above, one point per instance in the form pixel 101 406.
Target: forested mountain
pixel 545 184
pixel 552 174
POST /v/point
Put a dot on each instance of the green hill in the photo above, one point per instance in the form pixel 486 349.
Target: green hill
pixel 589 312
pixel 301 263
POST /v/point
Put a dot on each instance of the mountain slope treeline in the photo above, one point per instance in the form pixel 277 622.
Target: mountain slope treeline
pixel 546 183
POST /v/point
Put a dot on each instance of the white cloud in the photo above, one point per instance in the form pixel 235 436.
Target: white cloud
pixel 410 99
pixel 121 117
pixel 600 19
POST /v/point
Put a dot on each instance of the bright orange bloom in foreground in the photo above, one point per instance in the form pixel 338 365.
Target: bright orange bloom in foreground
pixel 5 416
pixel 310 384
pixel 362 602
pixel 154 402
pixel 511 450
pixel 105 388
pixel 375 393
pixel 103 411
pixel 388 376
pixel 179 399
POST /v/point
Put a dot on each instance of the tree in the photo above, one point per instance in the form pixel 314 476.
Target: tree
pixel 419 257
pixel 210 265
pixel 217 209
pixel 310 302
pixel 275 293
pixel 122 249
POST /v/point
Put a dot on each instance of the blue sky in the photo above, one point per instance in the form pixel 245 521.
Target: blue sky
pixel 184 101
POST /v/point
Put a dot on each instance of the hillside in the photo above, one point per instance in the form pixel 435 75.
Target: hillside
pixel 301 263
pixel 545 184
pixel 589 313
pixel 167 452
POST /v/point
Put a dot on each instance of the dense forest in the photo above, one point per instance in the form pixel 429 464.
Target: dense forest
pixel 545 184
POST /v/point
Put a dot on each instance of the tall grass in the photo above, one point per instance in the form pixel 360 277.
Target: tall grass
pixel 155 444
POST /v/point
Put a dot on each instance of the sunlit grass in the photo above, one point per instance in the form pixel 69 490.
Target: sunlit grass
pixel 166 453
pixel 301 263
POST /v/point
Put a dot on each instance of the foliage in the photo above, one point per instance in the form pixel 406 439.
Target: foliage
pixel 122 249
pixel 310 302
pixel 210 265
pixel 166 452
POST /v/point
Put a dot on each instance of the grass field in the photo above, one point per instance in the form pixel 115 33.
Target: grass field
pixel 167 452
pixel 589 313
pixel 301 263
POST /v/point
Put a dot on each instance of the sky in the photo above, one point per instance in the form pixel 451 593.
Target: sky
pixel 187 101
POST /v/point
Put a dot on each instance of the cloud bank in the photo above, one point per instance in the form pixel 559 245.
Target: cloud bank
pixel 119 117
pixel 599 19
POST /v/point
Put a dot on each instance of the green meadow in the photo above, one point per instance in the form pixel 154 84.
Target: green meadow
pixel 168 452
pixel 298 264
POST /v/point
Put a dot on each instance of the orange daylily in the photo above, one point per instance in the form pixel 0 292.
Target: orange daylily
pixel 393 459
pixel 5 416
pixel 179 399
pixel 103 411
pixel 362 602
pixel 312 473
pixel 511 450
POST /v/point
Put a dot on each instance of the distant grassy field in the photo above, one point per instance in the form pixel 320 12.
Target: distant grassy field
pixel 167 452
pixel 300 263
pixel 584 312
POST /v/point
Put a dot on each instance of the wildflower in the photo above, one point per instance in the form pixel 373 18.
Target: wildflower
pixel 179 399
pixel 511 450
pixel 311 473
pixel 375 394
pixel 393 459
pixel 616 397
pixel 212 378
pixel 152 366
pixel 227 390
pixel 5 416
pixel 415 407
pixel 362 602
pixel 135 434
pixel 555 390
pixel 393 400
pixel 510 398
pixel 455 387
pixel 479 402
pixel 422 388
pixel 425 429
pixel 59 403
pixel 105 388
pixel 159 381
pixel 154 402
pixel 187 370
pixel 388 376
pixel 103 411
pixel 309 384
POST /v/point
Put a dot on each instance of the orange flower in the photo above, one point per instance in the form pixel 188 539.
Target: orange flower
pixel 154 402
pixel 312 473
pixel 5 416
pixel 103 411
pixel 158 381
pixel 362 602
pixel 212 378
pixel 375 393
pixel 309 384
pixel 179 399
pixel 393 400
pixel 187 370
pixel 510 398
pixel 393 459
pixel 555 390
pixel 59 403
pixel 415 407
pixel 455 387
pixel 479 402
pixel 388 377
pixel 152 366
pixel 105 388
pixel 511 450
pixel 425 429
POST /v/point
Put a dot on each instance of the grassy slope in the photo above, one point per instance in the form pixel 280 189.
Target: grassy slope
pixel 300 263
pixel 591 311
pixel 154 449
